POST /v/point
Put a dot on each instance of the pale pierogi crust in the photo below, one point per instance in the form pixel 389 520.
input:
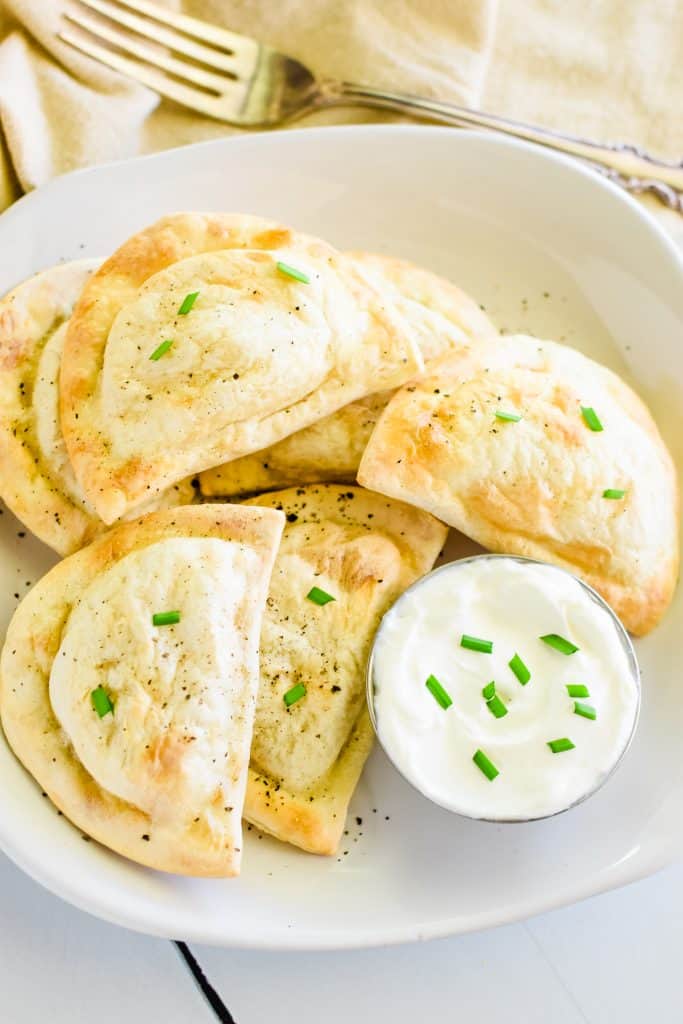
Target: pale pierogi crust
pixel 535 487
pixel 259 356
pixel 36 478
pixel 442 316
pixel 161 778
pixel 363 550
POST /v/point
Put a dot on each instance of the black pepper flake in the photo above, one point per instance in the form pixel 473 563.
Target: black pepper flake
pixel 359 821
pixel 145 837
pixel 292 517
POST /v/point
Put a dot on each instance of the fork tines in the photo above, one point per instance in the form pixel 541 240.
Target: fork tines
pixel 187 60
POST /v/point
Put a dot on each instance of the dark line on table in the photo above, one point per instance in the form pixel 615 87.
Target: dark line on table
pixel 204 985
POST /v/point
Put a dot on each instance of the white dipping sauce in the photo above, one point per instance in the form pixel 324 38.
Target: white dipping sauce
pixel 513 603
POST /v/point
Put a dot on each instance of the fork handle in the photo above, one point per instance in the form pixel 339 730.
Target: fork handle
pixel 622 159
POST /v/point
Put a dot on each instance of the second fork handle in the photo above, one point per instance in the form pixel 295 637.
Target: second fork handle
pixel 625 159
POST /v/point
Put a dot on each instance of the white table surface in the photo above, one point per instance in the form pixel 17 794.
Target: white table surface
pixel 612 958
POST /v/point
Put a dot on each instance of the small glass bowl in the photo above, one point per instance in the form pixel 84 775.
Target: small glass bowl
pixel 627 645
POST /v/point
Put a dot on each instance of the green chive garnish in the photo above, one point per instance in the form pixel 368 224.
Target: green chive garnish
pixel 493 701
pixel 473 643
pixel 614 493
pixel 520 669
pixel 438 693
pixel 318 596
pixel 101 702
pixel 295 694
pixel 165 618
pixel 288 271
pixel 577 690
pixel 508 417
pixel 559 643
pixel 162 349
pixel 484 765
pixel 591 418
pixel 489 691
pixel 496 707
pixel 559 746
pixel 585 710
pixel 187 303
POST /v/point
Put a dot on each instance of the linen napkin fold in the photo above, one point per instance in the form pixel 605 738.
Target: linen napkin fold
pixel 609 70
pixel 60 110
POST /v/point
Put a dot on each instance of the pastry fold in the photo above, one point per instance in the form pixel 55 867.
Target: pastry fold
pixel 363 551
pixel 128 683
pixel 209 336
pixel 441 316
pixel 582 479
pixel 36 478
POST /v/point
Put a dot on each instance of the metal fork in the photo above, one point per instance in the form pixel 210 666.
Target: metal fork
pixel 236 79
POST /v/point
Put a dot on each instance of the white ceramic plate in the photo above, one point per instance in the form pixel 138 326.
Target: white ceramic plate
pixel 548 248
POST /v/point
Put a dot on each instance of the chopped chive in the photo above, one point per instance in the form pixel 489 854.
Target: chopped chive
pixel 484 765
pixel 520 669
pixel 165 618
pixel 493 701
pixel 559 746
pixel 508 417
pixel 288 271
pixel 187 303
pixel 162 349
pixel 559 643
pixel 438 693
pixel 614 493
pixel 577 690
pixel 496 707
pixel 473 643
pixel 591 418
pixel 101 702
pixel 585 710
pixel 295 694
pixel 318 596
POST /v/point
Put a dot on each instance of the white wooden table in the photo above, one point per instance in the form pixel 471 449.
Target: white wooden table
pixel 615 958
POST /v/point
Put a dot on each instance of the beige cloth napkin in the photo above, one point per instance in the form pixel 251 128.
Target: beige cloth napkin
pixel 604 68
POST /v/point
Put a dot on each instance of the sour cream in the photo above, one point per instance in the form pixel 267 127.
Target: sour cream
pixel 512 603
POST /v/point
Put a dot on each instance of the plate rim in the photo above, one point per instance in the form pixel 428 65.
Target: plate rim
pixel 265 137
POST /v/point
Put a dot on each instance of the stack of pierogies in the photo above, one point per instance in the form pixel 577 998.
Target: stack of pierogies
pixel 187 423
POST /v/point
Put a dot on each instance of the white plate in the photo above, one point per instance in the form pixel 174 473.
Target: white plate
pixel 549 248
